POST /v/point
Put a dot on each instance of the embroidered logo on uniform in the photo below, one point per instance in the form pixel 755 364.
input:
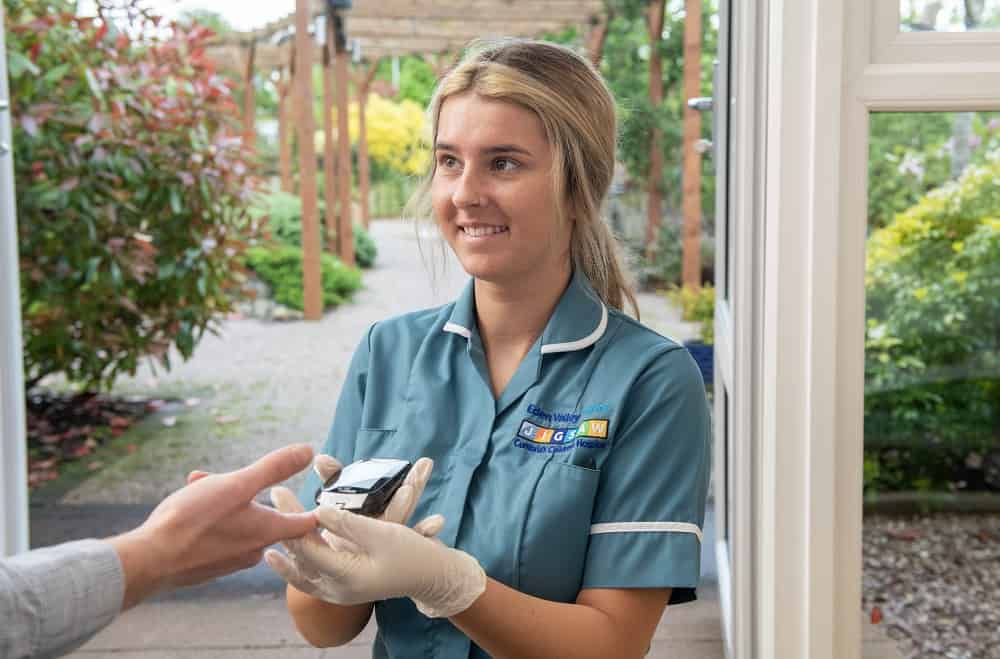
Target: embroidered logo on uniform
pixel 591 433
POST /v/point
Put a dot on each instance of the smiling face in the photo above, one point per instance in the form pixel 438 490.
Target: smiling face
pixel 492 191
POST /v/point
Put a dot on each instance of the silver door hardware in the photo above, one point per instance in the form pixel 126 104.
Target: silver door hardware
pixel 700 103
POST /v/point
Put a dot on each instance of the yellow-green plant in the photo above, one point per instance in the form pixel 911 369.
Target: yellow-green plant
pixel 397 135
pixel 932 339
pixel 697 305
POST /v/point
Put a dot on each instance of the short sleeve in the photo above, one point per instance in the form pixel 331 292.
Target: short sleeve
pixel 647 522
pixel 340 443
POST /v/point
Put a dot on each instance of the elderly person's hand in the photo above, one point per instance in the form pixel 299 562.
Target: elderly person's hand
pixel 211 527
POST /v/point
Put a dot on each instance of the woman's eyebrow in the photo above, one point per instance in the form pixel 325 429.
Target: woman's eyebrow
pixel 499 148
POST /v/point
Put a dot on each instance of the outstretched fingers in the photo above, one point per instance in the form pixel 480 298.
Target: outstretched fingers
pixel 272 469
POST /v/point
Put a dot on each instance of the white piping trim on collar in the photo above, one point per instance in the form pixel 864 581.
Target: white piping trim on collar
pixel 646 527
pixel 457 329
pixel 586 341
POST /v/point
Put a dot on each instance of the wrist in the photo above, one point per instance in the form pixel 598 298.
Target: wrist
pixel 461 582
pixel 141 565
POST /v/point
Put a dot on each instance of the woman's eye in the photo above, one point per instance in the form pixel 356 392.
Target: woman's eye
pixel 505 164
pixel 448 162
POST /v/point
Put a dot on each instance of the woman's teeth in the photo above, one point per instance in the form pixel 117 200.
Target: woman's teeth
pixel 478 232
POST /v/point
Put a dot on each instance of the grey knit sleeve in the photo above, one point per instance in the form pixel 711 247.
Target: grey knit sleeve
pixel 54 599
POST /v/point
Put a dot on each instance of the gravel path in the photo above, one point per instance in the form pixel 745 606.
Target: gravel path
pixel 260 385
pixel 935 582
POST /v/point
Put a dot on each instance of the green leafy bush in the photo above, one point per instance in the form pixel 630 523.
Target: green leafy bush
pixel 132 184
pixel 365 250
pixel 932 359
pixel 282 213
pixel 697 306
pixel 280 266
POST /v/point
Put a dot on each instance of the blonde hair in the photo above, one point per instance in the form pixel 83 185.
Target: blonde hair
pixel 578 115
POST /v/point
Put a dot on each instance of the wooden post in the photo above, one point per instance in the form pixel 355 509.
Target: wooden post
pixel 598 35
pixel 691 177
pixel 249 100
pixel 363 83
pixel 311 290
pixel 329 149
pixel 345 226
pixel 285 85
pixel 654 19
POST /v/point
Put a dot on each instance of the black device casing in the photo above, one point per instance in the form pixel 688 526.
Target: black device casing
pixel 378 496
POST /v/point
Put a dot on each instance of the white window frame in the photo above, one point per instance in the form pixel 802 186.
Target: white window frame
pixel 13 451
pixel 829 63
pixel 737 324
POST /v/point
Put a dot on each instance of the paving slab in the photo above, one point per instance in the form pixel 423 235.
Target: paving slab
pixel 244 614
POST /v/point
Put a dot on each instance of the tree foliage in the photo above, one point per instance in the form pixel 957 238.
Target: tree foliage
pixel 910 154
pixel 132 186
pixel 625 67
pixel 933 308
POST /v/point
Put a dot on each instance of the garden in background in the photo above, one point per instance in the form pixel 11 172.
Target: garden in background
pixel 932 390
pixel 143 220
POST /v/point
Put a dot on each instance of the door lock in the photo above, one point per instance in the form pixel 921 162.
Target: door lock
pixel 701 103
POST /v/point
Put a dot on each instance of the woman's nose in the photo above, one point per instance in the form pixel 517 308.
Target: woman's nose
pixel 468 190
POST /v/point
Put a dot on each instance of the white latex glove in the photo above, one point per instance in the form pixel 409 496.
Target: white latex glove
pixel 302 575
pixel 385 561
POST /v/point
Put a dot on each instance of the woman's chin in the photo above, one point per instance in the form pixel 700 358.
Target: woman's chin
pixel 485 269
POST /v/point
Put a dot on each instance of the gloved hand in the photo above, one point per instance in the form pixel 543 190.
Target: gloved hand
pixel 302 575
pixel 382 560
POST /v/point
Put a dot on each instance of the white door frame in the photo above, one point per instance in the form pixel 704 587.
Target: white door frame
pixel 808 474
pixel 827 64
pixel 736 316
pixel 13 453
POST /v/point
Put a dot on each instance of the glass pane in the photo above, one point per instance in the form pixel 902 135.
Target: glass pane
pixel 932 381
pixel 949 15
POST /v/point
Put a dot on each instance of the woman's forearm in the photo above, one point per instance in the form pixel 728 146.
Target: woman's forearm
pixel 509 624
pixel 323 624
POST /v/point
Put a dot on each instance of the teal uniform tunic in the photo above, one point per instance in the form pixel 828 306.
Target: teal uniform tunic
pixel 590 471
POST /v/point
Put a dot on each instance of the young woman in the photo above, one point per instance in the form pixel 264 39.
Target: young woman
pixel 571 443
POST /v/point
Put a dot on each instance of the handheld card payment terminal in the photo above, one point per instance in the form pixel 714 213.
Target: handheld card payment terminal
pixel 364 487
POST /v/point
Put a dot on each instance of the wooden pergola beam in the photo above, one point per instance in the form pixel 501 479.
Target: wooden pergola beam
pixel 311 279
pixel 345 222
pixel 412 27
pixel 597 36
pixel 568 11
pixel 691 177
pixel 249 100
pixel 654 21
pixel 363 83
pixel 285 84
pixel 329 147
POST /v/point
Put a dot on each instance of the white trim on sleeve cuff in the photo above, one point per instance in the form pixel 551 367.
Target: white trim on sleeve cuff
pixel 646 527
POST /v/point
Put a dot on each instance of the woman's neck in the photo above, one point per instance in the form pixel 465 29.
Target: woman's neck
pixel 512 316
